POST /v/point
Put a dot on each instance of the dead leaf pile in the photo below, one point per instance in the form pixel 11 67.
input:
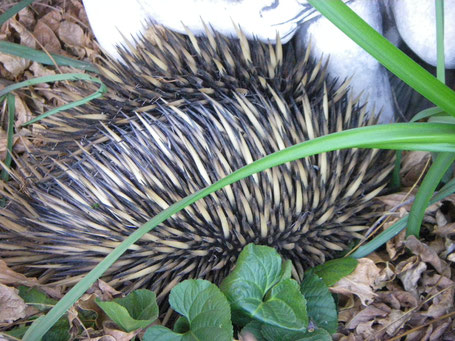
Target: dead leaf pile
pixel 408 288
pixel 59 27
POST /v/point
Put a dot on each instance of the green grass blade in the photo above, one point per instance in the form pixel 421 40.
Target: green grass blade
pixel 443 160
pixel 11 103
pixel 55 78
pixel 395 182
pixel 426 190
pixel 14 10
pixel 387 54
pixel 415 134
pixel 444 192
pixel 42 58
pixel 441 68
pixel 427 113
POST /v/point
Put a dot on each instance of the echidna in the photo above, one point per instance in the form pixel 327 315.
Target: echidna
pixel 235 104
pixel 182 71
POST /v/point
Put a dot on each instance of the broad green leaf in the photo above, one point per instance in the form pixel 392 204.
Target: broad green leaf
pixel 286 271
pixel 271 333
pixel 137 310
pixel 258 268
pixel 59 332
pixel 160 333
pixel 36 298
pixel 334 270
pixel 254 291
pixel 207 313
pixel 321 307
pixel 253 328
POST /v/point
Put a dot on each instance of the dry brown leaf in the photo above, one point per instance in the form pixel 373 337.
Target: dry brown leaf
pixel 8 276
pixel 369 313
pixel 14 66
pixel 26 18
pixel 12 306
pixel 394 321
pixel 445 230
pixel 395 246
pixel 411 274
pixel 442 290
pixel 52 20
pixel 71 33
pixel 361 282
pixel 395 200
pixel 23 113
pixel 103 291
pixel 427 255
pixel 19 144
pixel 365 330
pixel 47 37
pixel 440 330
pixel 412 166
pixel 110 329
pixel 101 338
pixel 398 299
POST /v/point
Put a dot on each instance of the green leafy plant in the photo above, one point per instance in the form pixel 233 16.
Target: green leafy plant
pixel 137 310
pixel 258 297
pixel 205 311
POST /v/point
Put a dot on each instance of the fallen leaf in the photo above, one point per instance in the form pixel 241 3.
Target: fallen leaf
pixel 71 33
pixel 47 37
pixel 8 276
pixel 361 282
pixel 411 275
pixel 394 321
pixel 14 65
pixel 412 166
pixel 12 306
pixel 427 255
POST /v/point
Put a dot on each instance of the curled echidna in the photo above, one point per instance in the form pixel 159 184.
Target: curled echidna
pixel 63 224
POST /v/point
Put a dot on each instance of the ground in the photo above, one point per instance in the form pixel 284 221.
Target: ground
pixel 404 291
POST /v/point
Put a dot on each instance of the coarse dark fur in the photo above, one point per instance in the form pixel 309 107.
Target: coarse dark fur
pixel 60 226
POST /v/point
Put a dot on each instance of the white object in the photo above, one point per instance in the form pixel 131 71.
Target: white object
pixel 113 21
pixel 369 79
pixel 416 23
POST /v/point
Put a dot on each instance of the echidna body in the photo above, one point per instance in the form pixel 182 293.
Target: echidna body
pixel 181 71
pixel 62 225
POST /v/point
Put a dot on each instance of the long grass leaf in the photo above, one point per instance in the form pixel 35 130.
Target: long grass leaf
pixel 426 190
pixel 441 68
pixel 42 58
pixel 14 10
pixel 11 104
pixel 55 78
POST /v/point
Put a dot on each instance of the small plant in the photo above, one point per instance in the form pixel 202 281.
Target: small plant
pixel 259 297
